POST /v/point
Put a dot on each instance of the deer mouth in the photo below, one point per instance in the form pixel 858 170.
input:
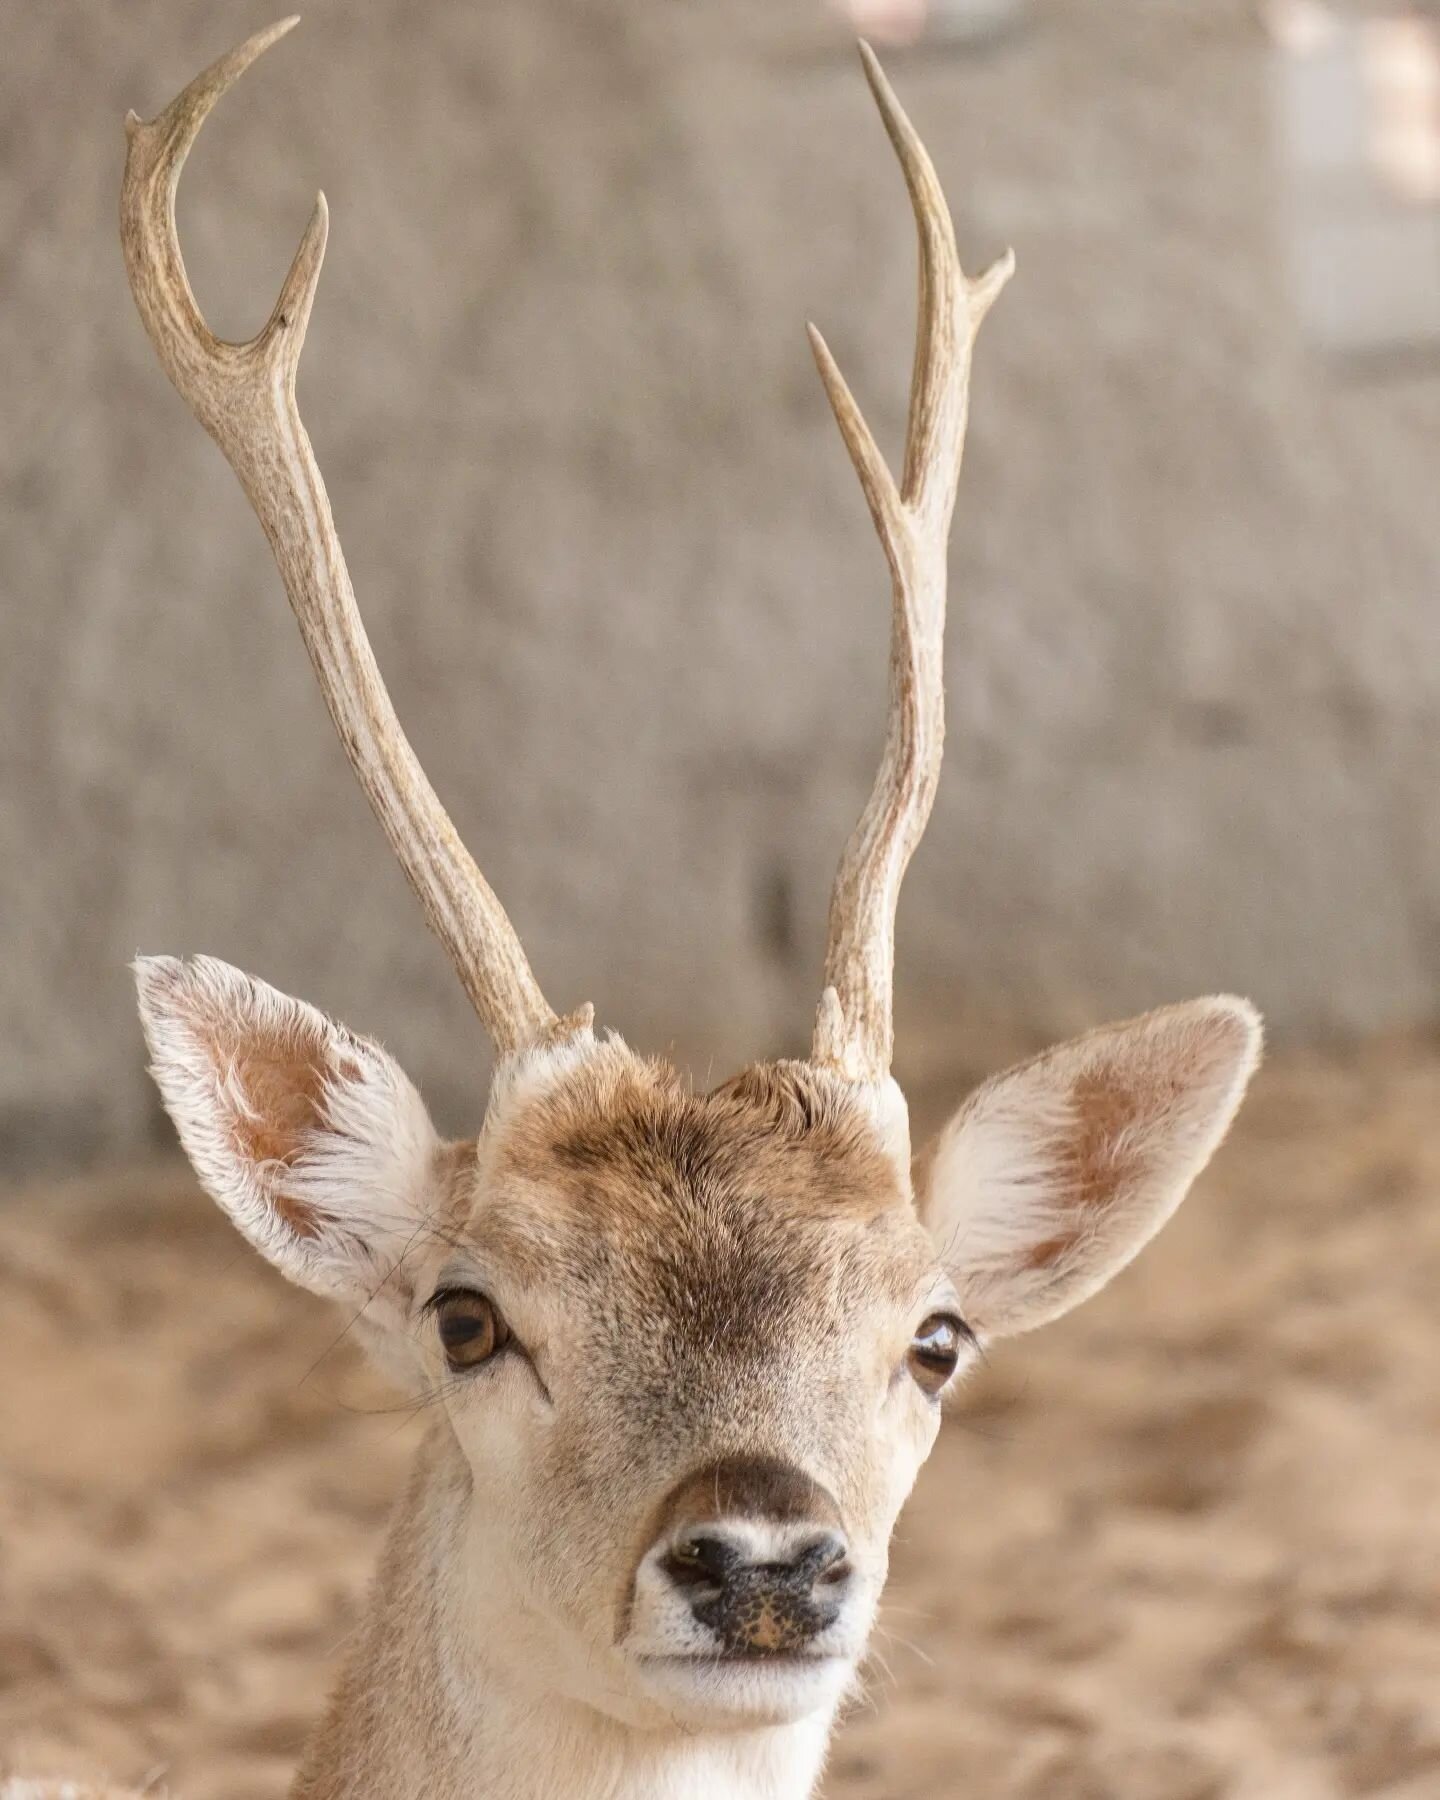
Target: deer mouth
pixel 736 1688
pixel 747 1659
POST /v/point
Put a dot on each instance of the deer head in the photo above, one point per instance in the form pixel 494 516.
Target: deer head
pixel 689 1350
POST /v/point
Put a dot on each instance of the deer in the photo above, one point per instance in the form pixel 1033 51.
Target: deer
pixel 685 1352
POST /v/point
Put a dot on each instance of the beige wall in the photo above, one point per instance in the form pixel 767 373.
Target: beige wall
pixel 615 565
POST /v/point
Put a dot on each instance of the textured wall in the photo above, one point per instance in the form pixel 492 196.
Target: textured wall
pixel 615 564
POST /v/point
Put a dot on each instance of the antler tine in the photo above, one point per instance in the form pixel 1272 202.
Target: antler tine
pixel 244 396
pixel 854 1031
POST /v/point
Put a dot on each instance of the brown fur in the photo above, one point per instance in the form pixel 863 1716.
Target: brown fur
pixel 702 1218
pixel 282 1074
pixel 746 1487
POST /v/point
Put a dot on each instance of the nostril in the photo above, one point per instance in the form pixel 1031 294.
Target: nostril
pixel 825 1560
pixel 755 1603
pixel 752 1604
pixel 700 1560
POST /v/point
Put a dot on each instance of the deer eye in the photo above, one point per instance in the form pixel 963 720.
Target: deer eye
pixel 471 1328
pixel 935 1350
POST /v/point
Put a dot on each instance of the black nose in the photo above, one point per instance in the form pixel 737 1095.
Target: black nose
pixel 760 1608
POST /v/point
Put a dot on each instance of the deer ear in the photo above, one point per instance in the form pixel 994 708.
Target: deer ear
pixel 311 1138
pixel 1054 1175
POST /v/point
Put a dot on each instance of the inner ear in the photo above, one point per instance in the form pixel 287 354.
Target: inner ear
pixel 280 1078
pixel 311 1138
pixel 1055 1174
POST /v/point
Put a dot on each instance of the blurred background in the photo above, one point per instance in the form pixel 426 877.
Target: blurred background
pixel 622 585
pixel 617 569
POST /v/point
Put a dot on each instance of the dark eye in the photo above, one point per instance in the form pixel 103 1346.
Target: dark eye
pixel 935 1350
pixel 471 1328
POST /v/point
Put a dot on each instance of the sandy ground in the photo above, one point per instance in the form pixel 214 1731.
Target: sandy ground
pixel 1184 1546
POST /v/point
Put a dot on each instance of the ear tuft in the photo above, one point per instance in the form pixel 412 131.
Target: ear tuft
pixel 1054 1175
pixel 310 1138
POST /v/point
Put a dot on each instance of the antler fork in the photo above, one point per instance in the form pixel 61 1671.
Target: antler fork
pixel 244 396
pixel 854 1030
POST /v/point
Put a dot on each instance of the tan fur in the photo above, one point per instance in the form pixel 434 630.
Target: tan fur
pixel 69 1790
pixel 723 1246
pixel 715 1293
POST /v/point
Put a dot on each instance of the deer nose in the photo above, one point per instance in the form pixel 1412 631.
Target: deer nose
pixel 755 1550
pixel 765 1602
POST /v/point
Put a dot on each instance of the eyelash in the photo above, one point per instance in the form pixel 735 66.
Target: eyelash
pixel 455 1291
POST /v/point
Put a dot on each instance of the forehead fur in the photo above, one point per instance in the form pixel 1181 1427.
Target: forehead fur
pixel 618 1156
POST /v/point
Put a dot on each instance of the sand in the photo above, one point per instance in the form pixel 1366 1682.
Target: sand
pixel 1183 1546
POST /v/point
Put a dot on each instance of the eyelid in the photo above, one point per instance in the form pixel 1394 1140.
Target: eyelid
pixel 949 1310
pixel 969 1338
pixel 452 1290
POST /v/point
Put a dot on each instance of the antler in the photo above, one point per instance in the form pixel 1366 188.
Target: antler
pixel 854 1033
pixel 244 396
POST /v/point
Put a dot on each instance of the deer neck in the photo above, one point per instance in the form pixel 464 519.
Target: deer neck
pixel 436 1698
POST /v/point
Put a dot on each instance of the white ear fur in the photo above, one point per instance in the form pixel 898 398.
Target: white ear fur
pixel 1055 1174
pixel 310 1138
